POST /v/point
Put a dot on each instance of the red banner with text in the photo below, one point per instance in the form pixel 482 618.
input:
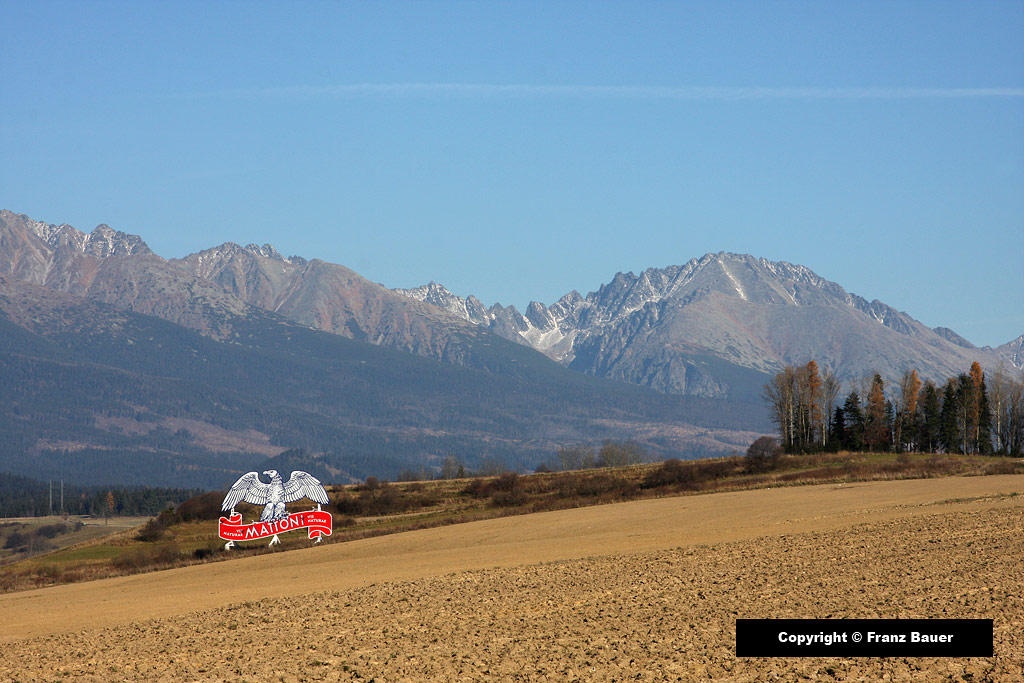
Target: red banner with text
pixel 318 522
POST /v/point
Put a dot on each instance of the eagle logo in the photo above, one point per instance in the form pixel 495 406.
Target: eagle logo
pixel 274 496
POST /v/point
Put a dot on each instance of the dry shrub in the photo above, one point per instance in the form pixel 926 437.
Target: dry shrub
pixel 815 474
pixel 594 486
pixel 203 506
pixel 690 475
pixel 51 530
pixel 509 481
pixel 383 499
pixel 478 488
pixel 507 491
pixel 512 498
pixel 1004 467
pixel 205 552
pixel 156 528
pixel 152 531
pixel 143 557
pixel 671 472
pixel 345 503
pixel 938 466
pixel 15 540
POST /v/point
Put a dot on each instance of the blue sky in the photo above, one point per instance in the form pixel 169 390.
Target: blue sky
pixel 517 151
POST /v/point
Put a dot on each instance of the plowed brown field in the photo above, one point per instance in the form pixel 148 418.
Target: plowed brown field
pixel 648 590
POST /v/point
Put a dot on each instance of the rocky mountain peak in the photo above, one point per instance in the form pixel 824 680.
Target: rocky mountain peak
pixel 745 312
pixel 1014 352
pixel 951 336
pixel 207 262
pixel 470 308
pixel 102 242
pixel 266 251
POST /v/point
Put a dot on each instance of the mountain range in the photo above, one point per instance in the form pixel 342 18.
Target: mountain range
pixel 704 327
pixel 182 371
pixel 127 368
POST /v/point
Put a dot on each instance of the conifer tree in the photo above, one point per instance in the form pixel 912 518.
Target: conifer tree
pixel 854 419
pixel 966 414
pixel 930 419
pixel 983 442
pixel 949 429
pixel 829 392
pixel 890 420
pixel 972 406
pixel 837 431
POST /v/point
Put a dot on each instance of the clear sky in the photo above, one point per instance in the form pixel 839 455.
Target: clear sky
pixel 517 151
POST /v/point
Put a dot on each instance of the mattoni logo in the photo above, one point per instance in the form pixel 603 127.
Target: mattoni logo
pixel 275 519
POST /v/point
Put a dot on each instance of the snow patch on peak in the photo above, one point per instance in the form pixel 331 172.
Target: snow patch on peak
pixel 102 242
pixel 46 232
pixel 732 278
pixel 470 308
pixel 266 251
pixel 227 251
pixel 1014 351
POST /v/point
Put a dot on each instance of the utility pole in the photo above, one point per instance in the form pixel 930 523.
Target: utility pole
pixel 62 496
pixel 51 496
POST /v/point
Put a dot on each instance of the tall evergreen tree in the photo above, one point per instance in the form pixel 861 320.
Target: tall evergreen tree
pixel 949 428
pixel 890 421
pixel 966 414
pixel 930 428
pixel 854 423
pixel 983 443
pixel 837 437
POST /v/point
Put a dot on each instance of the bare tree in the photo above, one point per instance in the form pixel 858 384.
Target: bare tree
pixel 781 396
pixel 1006 395
pixel 619 454
pixel 576 458
pixel 1007 402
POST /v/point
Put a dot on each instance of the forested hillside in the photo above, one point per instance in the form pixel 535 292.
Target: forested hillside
pixel 101 395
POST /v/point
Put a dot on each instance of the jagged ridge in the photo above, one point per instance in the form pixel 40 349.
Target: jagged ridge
pixel 667 327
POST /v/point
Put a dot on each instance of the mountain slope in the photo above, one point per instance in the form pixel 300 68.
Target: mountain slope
pixel 116 268
pixel 104 395
pixel 332 298
pixel 704 327
pixel 213 291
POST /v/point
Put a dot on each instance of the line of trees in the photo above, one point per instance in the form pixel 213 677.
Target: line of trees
pixel 969 413
pixel 24 497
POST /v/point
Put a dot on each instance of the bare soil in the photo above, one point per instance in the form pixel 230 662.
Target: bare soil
pixel 646 590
